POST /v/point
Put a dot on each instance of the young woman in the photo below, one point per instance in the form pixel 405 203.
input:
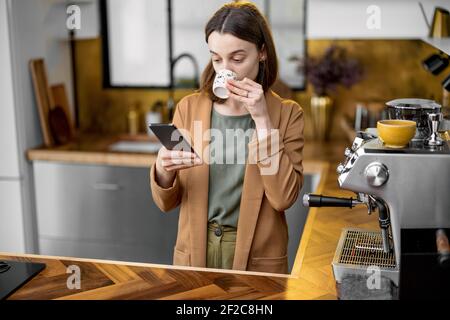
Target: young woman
pixel 232 214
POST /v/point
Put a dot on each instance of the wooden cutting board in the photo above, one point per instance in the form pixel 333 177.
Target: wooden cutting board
pixel 53 106
pixel 59 125
pixel 43 96
pixel 59 94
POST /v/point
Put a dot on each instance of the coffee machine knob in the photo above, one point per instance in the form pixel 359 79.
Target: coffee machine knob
pixel 376 174
pixel 340 168
pixel 348 152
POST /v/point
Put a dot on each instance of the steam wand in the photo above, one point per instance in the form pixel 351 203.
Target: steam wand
pixel 314 200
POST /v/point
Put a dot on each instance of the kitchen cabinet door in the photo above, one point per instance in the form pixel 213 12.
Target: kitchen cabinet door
pixel 9 161
pixel 366 19
pixel 11 220
pixel 101 212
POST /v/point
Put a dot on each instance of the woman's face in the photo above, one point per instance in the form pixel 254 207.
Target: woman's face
pixel 230 52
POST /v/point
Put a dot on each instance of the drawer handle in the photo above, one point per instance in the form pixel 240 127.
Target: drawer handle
pixel 107 186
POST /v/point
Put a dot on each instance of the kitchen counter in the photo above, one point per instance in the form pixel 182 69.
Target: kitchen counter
pixel 311 278
pixel 94 149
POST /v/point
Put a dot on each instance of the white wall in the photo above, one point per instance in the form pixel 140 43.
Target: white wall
pixel 347 19
pixel 90 18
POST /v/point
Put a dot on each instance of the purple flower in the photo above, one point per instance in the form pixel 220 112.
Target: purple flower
pixel 332 69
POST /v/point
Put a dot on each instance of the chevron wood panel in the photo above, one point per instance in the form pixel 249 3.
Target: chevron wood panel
pixel 105 280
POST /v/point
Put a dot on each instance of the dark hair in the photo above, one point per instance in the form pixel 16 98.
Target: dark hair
pixel 244 21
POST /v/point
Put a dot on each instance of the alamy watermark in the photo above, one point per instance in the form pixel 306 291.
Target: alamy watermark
pixel 224 147
pixel 73 21
pixel 374 280
pixel 74 280
pixel 373 21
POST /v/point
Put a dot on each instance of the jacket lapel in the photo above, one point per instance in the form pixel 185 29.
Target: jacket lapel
pixel 252 195
pixel 198 187
pixel 198 182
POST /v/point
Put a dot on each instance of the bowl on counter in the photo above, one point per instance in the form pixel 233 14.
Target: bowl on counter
pixel 396 133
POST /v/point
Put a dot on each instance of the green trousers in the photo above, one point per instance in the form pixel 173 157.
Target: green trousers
pixel 221 246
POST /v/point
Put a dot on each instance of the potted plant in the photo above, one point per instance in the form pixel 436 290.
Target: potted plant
pixel 325 74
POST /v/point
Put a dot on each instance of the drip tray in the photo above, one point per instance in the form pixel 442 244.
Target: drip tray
pixel 359 252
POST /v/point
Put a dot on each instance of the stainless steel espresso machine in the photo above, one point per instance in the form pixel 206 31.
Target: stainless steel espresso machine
pixel 410 189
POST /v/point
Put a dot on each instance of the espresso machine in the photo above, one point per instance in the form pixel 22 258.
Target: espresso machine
pixel 410 189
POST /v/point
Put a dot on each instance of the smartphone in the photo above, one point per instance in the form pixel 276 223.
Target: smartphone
pixel 170 137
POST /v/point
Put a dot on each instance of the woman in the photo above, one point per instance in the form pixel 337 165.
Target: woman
pixel 232 215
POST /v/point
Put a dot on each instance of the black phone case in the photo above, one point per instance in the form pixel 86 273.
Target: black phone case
pixel 165 134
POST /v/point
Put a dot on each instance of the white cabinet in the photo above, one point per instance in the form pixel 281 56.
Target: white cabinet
pixel 11 219
pixel 442 44
pixel 9 162
pixel 104 212
pixel 362 19
pixel 28 29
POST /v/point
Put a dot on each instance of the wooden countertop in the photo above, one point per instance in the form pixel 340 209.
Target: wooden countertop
pixel 312 276
pixel 94 149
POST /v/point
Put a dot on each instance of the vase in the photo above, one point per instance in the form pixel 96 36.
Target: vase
pixel 321 112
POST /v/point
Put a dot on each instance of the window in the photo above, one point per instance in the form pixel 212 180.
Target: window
pixel 142 37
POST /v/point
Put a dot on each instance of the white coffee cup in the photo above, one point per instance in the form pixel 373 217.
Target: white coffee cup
pixel 220 83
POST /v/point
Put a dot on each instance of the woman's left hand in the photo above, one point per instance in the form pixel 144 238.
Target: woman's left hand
pixel 251 94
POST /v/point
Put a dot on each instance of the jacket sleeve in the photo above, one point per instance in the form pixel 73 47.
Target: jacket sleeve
pixel 168 198
pixel 280 161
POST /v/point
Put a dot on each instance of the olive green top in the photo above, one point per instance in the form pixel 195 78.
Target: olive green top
pixel 228 155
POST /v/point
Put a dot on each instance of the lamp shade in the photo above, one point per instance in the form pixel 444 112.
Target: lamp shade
pixel 440 27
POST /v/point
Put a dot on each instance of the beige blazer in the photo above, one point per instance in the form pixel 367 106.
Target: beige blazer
pixel 262 232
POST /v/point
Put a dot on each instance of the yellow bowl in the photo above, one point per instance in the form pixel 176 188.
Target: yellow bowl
pixel 396 133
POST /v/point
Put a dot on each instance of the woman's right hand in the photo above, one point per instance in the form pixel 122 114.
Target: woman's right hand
pixel 169 162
